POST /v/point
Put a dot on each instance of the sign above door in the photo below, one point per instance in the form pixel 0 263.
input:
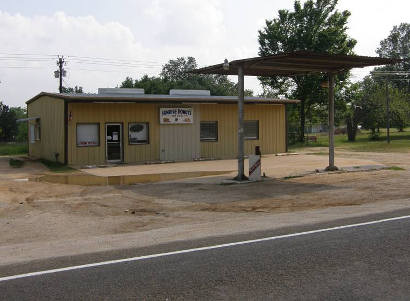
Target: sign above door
pixel 176 115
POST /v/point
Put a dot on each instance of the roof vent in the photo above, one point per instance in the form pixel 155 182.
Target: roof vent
pixel 178 92
pixel 120 91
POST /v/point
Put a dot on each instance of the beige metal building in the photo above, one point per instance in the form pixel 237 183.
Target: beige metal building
pixel 126 125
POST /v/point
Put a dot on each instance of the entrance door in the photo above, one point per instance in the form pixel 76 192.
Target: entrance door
pixel 113 142
pixel 181 142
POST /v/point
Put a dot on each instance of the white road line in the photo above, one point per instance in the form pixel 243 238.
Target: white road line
pixel 97 264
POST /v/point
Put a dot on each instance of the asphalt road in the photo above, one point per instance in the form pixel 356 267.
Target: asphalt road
pixel 369 262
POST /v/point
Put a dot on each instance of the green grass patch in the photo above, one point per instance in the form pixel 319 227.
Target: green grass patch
pixel 399 142
pixel 16 163
pixel 394 168
pixel 56 166
pixel 13 149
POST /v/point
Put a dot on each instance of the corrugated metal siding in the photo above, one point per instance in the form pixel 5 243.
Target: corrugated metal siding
pixel 271 129
pixel 110 112
pixel 51 113
pixel 180 142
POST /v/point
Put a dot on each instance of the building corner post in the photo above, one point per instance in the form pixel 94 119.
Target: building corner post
pixel 286 129
pixel 241 93
pixel 331 166
pixel 65 132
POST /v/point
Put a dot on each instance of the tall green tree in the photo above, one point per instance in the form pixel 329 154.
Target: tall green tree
pixel 8 124
pixel 20 113
pixel 372 103
pixel 175 75
pixel 178 69
pixel 397 45
pixel 314 26
pixel 399 108
pixel 351 95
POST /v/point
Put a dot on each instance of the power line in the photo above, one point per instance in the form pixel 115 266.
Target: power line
pixel 81 61
pixel 389 73
pixel 86 59
pixel 36 61
pixel 113 59
pixel 25 59
pixel 108 71
pixel 28 54
pixel 24 67
pixel 114 64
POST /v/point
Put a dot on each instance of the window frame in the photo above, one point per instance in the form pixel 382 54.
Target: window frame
pixel 32 133
pixel 37 131
pixel 87 123
pixel 209 139
pixel 257 130
pixel 148 133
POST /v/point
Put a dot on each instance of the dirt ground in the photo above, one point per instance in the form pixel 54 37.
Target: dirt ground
pixel 33 211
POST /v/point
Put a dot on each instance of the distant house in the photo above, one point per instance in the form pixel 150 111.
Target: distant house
pixel 126 125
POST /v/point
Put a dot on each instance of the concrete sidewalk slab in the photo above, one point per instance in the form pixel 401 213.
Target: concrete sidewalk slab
pixel 273 166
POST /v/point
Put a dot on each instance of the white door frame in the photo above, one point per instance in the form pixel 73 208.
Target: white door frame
pixel 121 142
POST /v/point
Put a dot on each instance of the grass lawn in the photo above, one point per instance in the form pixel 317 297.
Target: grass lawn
pixel 399 142
pixel 16 163
pixel 13 149
pixel 56 166
pixel 21 149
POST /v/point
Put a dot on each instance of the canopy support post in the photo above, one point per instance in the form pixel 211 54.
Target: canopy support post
pixel 331 166
pixel 241 95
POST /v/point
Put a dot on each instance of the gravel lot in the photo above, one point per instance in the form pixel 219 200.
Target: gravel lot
pixel 39 213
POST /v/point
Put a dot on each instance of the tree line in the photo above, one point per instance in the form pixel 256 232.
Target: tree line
pixel 175 75
pixel 10 130
pixel 315 25
pixel 319 27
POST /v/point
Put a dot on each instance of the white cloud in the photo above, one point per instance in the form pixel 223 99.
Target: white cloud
pixel 186 22
pixel 181 29
pixel 156 30
pixel 62 34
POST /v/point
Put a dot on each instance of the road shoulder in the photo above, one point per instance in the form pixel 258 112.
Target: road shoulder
pixel 33 257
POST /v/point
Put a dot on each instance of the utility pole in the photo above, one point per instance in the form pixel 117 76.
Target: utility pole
pixel 60 73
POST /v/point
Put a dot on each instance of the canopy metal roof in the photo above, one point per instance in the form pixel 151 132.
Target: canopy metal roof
pixel 296 63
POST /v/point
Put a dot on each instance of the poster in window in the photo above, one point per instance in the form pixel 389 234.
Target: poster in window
pixel 115 136
pixel 88 134
pixel 138 133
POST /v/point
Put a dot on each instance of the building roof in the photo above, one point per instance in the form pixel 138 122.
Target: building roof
pixel 296 63
pixel 153 98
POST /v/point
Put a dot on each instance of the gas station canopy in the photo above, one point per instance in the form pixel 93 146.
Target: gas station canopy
pixel 291 64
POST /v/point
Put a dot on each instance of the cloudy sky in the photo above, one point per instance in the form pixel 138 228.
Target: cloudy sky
pixel 137 37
